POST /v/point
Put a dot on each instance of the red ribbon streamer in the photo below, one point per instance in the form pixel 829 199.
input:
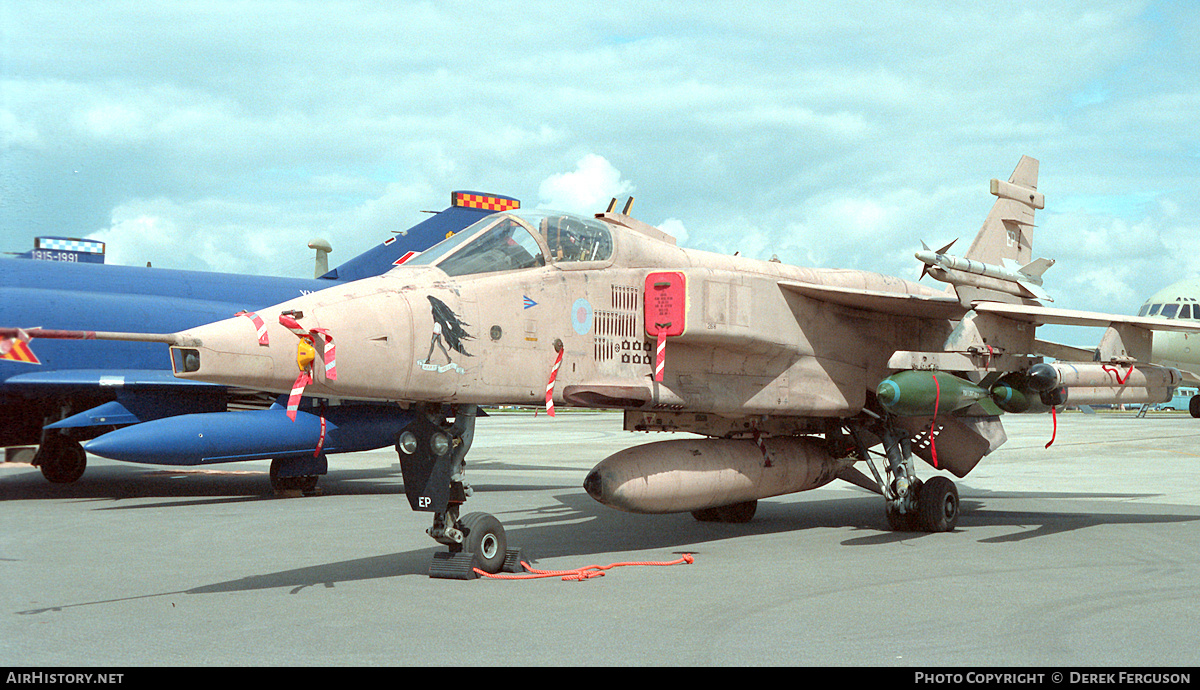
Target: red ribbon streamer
pixel 321 440
pixel 297 392
pixel 1053 416
pixel 258 324
pixel 661 356
pixel 1120 380
pixel 550 383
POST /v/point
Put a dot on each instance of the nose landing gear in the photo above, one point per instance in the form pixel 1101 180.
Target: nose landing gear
pixel 433 462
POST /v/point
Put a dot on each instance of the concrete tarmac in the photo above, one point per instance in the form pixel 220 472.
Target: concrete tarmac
pixel 1083 554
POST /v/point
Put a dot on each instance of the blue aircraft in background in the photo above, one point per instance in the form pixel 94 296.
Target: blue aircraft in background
pixel 123 395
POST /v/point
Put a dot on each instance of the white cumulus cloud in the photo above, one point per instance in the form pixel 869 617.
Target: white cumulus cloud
pixel 586 189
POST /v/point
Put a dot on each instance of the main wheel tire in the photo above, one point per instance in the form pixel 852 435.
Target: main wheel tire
pixel 937 506
pixel 1194 406
pixel 61 460
pixel 899 522
pixel 486 539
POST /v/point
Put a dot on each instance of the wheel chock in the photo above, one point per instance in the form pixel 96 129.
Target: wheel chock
pixel 459 565
pixel 512 561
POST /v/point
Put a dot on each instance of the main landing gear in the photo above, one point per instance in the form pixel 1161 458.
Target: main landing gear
pixel 433 461
pixel 61 459
pixel 911 505
pixel 287 479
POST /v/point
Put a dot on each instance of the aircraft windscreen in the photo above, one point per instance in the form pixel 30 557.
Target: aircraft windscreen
pixel 504 246
pixel 508 242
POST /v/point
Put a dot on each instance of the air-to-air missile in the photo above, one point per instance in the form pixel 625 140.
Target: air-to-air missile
pixel 1012 278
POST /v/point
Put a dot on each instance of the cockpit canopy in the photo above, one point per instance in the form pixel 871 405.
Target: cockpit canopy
pixel 512 241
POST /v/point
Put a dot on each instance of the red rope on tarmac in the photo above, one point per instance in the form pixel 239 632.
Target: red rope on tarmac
pixel 584 573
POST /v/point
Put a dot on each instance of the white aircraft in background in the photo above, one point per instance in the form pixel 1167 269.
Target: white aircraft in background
pixel 1180 300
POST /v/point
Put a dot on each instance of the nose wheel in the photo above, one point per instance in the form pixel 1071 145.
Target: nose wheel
pixel 433 463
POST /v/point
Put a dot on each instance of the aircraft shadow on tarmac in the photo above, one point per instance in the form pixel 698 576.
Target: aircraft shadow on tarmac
pixel 575 526
pixel 208 485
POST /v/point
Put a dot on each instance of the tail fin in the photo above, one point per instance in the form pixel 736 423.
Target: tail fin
pixel 1008 231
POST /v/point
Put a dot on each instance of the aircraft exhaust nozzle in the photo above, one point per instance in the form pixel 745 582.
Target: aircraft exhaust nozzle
pixel 684 475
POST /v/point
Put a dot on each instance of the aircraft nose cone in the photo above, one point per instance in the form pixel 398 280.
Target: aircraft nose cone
pixel 228 352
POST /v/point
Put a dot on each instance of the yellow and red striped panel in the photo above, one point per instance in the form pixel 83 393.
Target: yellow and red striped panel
pixel 17 351
pixel 484 201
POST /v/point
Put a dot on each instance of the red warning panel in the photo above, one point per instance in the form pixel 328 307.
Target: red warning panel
pixel 666 303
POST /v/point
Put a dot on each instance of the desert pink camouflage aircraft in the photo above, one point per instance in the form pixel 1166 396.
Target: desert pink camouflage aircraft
pixel 789 377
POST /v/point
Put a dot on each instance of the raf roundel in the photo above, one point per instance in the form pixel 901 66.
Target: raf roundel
pixel 581 316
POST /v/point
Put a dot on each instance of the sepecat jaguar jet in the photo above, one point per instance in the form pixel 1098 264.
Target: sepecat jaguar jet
pixel 786 377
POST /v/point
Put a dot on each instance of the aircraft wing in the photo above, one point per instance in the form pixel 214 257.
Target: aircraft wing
pixel 1039 316
pixel 1066 353
pixel 140 394
pixel 898 303
pixel 103 378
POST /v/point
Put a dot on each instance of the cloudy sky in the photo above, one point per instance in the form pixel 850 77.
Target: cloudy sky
pixel 226 135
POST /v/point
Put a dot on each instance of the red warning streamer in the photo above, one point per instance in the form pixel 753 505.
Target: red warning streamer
pixel 1117 373
pixel 1054 432
pixel 258 324
pixel 762 446
pixel 321 440
pixel 662 355
pixel 550 383
pixel 328 354
pixel 298 387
